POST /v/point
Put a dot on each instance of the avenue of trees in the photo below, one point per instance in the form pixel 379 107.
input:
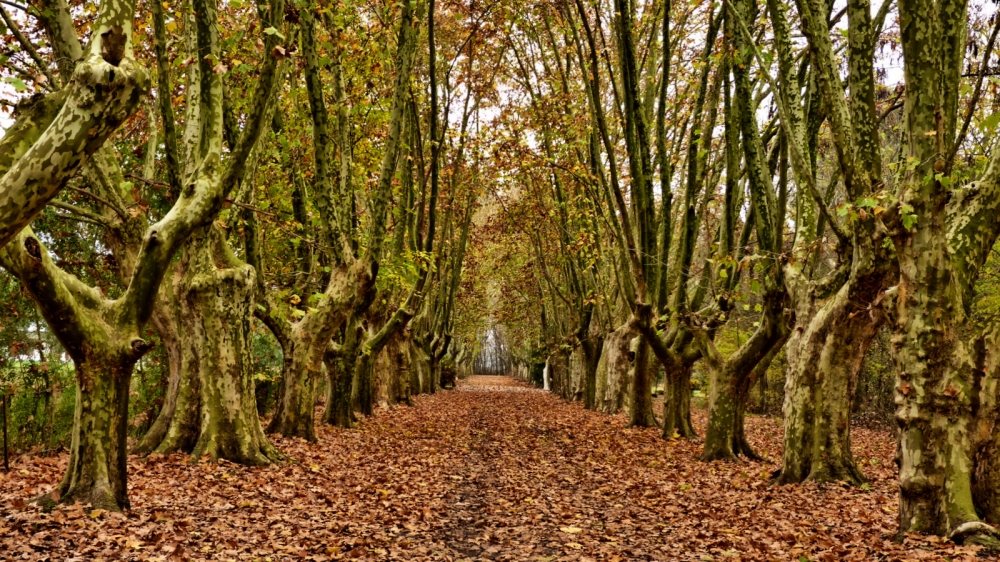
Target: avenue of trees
pixel 214 214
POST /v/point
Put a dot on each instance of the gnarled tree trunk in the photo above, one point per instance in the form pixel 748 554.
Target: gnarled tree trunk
pixel 97 469
pixel 731 381
pixel 825 351
pixel 613 377
pixel 677 399
pixel 210 408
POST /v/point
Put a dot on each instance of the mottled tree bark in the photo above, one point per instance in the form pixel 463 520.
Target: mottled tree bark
pixel 946 233
pixel 52 138
pixel 731 380
pixel 824 353
pixel 613 368
pixel 677 399
pixel 213 409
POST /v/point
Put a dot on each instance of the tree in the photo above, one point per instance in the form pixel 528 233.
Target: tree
pixel 55 134
pixel 102 335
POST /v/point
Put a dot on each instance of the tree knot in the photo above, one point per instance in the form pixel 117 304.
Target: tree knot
pixel 140 347
pixel 33 248
pixel 113 45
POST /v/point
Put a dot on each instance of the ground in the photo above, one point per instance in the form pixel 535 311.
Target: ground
pixel 494 470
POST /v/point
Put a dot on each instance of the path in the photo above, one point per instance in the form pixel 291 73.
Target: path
pixel 494 470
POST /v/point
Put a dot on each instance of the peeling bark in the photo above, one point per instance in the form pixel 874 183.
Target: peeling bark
pixel 212 410
pixel 613 369
pixel 825 352
pixel 731 381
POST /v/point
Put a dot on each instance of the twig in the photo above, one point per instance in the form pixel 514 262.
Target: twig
pixel 25 9
pixel 115 208
pixel 975 97
pixel 146 181
pixel 254 209
pixel 12 25
pixel 80 212
pixel 77 218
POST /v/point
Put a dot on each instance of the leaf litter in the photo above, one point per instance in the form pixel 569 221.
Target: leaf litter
pixel 495 470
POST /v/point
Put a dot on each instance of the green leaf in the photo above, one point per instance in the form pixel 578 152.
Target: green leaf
pixel 18 84
pixel 990 123
pixel 273 31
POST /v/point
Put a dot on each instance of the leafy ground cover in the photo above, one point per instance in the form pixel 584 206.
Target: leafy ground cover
pixel 494 470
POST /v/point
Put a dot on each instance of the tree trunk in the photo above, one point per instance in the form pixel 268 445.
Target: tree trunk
pixel 211 409
pixel 616 359
pixel 419 367
pixel 559 374
pixel 986 480
pixel 727 399
pixel 577 374
pixel 230 427
pixel 97 471
pixel 939 390
pixel 824 352
pixel 362 388
pixel 339 410
pixel 592 347
pixel 731 381
pixel 641 408
pixel 306 345
pixel 399 367
pixel 166 319
pixel 677 400
pixel 294 416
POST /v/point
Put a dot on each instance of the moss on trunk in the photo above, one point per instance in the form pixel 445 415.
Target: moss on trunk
pixel 825 351
pixel 213 406
pixel 97 472
pixel 677 401
pixel 641 403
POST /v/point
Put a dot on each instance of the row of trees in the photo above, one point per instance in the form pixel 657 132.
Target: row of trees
pixel 299 169
pixel 373 185
pixel 668 167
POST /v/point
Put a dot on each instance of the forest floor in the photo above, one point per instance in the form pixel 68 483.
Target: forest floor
pixel 494 470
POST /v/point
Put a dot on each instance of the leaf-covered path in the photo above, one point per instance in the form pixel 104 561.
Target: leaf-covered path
pixel 494 470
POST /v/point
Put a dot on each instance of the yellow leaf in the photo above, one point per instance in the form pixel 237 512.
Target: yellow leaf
pixel 96 513
pixel 574 545
pixel 570 530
